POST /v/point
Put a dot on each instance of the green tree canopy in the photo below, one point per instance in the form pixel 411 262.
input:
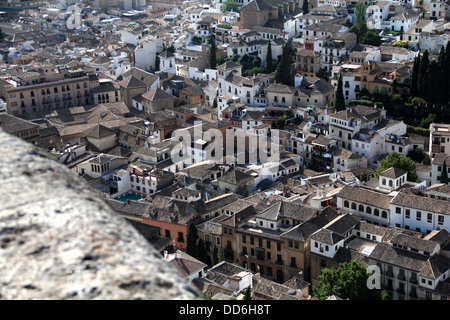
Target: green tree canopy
pixel 305 7
pixel 269 60
pixel 247 293
pixel 339 99
pixel 284 72
pixel 191 241
pixel 349 281
pixel 230 5
pixel 212 54
pixel 444 175
pixel 360 14
pixel 202 255
pixel 399 161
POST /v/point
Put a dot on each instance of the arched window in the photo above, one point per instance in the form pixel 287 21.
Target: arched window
pixel 361 208
pixel 376 212
pixel 384 214
pixel 383 182
pixel 353 206
pixel 369 210
pixel 390 183
pixel 346 204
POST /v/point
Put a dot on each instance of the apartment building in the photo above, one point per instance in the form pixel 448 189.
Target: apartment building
pixel 413 210
pixel 43 88
pixel 439 139
pixel 414 268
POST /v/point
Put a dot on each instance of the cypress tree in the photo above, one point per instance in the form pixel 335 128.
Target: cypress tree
pixel 435 82
pixel 422 83
pixel 202 255
pixel 414 76
pixel 284 73
pixel 247 293
pixel 339 99
pixel 269 60
pixel 305 7
pixel 212 54
pixel 215 256
pixel 444 176
pixel 191 241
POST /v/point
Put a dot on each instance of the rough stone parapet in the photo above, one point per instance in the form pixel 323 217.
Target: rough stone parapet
pixel 60 240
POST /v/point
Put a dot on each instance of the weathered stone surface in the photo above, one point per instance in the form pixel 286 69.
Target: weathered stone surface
pixel 59 240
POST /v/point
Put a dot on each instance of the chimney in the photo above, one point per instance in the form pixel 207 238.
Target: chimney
pixel 166 254
pixel 178 254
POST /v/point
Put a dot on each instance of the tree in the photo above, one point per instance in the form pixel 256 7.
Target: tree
pixel 171 48
pixel 215 256
pixel 370 37
pixel 349 281
pixel 247 293
pixel 414 76
pixel 230 5
pixel 339 99
pixel 191 241
pixel 157 62
pixel 360 14
pixel 399 161
pixel 305 7
pixel 269 61
pixel 202 255
pixel 212 54
pixel 284 72
pixel 417 155
pixel 422 78
pixel 444 175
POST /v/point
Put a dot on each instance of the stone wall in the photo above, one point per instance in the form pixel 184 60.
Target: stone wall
pixel 60 240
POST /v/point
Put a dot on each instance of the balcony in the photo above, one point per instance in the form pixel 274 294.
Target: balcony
pixel 413 280
pixel 279 261
pixel 401 276
pixel 389 273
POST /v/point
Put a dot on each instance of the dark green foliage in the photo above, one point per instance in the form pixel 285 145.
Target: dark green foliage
pixel 417 155
pixel 230 5
pixel 215 256
pixel 444 175
pixel 425 123
pixel 339 99
pixel 222 59
pixel 157 62
pixel 284 73
pixel 171 48
pixel 268 68
pixel 370 37
pixel 191 241
pixel 247 293
pixel 415 76
pixel 202 255
pixel 212 54
pixel 399 161
pixel 349 281
pixel 305 7
pixel 422 78
pixel 360 14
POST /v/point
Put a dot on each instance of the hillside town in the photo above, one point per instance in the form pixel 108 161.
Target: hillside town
pixel 256 144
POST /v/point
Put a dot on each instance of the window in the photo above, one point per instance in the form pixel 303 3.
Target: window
pixel 418 215
pixel 407 213
pixel 167 233
pixel 398 210
pixel 440 220
pixel 346 204
pixel 429 218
